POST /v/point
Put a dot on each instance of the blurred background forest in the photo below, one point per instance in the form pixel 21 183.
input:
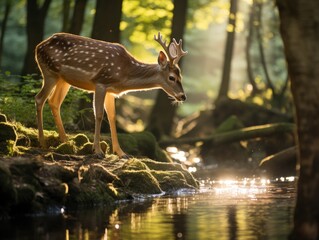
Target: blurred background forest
pixel 235 71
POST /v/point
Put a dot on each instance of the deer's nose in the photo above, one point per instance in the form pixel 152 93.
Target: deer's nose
pixel 183 97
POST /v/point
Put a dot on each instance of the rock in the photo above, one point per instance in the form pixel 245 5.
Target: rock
pixel 134 164
pixel 3 118
pixel 80 139
pixel 68 147
pixel 140 182
pixel 159 166
pixel 171 181
pixel 97 171
pixel 87 148
pixel 8 138
pixel 143 144
pixel 85 194
pixel 7 192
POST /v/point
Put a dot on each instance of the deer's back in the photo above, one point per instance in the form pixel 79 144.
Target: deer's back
pixel 68 54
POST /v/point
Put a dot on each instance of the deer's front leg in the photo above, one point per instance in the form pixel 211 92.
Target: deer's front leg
pixel 99 97
pixel 109 105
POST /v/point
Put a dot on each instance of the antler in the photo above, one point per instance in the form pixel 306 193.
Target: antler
pixel 178 50
pixel 174 51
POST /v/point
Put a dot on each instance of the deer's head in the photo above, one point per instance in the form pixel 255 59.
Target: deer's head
pixel 171 72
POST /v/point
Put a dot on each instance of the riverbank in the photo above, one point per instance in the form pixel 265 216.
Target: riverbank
pixel 32 180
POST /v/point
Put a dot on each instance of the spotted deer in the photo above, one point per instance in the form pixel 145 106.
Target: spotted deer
pixel 106 69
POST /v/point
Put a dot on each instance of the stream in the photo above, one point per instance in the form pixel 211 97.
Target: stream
pixel 245 208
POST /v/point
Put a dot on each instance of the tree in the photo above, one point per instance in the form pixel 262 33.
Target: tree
pixel 77 17
pixel 228 55
pixel 35 31
pixel 300 33
pixel 161 124
pixel 7 9
pixel 107 20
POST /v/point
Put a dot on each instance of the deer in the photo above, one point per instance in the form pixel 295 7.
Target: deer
pixel 106 69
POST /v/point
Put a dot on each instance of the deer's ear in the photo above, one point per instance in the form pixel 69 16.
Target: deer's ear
pixel 162 60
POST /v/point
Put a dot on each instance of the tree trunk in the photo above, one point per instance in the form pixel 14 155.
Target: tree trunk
pixel 35 30
pixel 228 55
pixel 66 15
pixel 299 29
pixel 264 66
pixel 107 20
pixel 249 41
pixel 78 17
pixel 163 112
pixel 4 26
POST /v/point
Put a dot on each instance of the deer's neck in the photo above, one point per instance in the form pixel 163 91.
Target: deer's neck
pixel 144 76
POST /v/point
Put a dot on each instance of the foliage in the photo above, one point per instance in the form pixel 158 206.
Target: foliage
pixel 17 101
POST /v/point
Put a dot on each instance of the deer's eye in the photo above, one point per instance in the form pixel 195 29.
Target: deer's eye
pixel 171 78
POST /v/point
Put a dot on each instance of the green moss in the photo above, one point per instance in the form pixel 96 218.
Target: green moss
pixel 162 156
pixel 3 118
pixel 142 144
pixel 140 182
pixel 134 164
pixel 231 123
pixel 87 148
pixel 98 172
pixel 89 195
pixel 68 147
pixel 8 138
pixel 160 166
pixel 170 181
pixel 146 144
pixel 129 144
pixel 80 139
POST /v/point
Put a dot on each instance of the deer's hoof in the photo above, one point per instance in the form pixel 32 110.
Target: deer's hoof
pixel 126 156
pixel 100 155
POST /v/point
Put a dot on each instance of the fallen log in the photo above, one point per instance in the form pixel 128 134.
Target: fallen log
pixel 280 156
pixel 236 135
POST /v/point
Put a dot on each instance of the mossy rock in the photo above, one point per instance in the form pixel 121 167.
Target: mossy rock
pixel 86 194
pixel 3 118
pixel 87 148
pixel 55 191
pixel 128 144
pixel 23 140
pixel 160 166
pixel 57 171
pixel 140 182
pixel 7 191
pixel 68 147
pixel 146 143
pixel 25 195
pixel 80 139
pixel 24 167
pixel 162 156
pixel 142 144
pixel 51 139
pixel 134 164
pixel 8 138
pixel 171 181
pixel 98 172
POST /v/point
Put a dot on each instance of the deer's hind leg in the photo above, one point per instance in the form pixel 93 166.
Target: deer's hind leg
pixel 49 82
pixel 55 100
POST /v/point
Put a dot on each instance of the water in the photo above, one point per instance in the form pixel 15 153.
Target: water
pixel 245 209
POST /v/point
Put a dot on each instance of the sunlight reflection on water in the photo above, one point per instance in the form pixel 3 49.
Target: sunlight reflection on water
pixel 248 208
